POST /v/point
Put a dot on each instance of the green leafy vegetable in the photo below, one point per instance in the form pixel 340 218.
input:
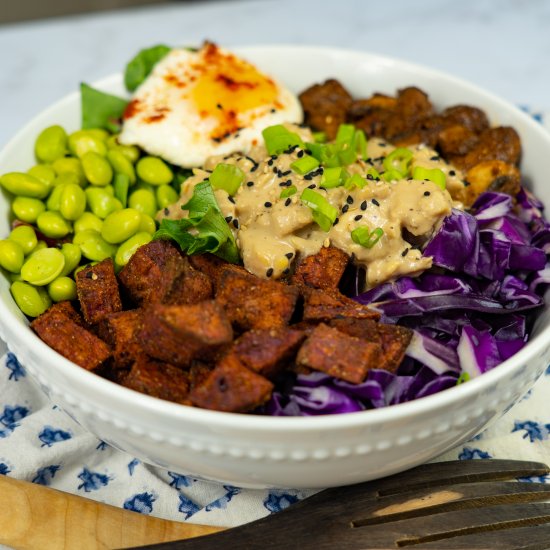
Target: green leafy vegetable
pixel 204 230
pixel 101 110
pixel 138 69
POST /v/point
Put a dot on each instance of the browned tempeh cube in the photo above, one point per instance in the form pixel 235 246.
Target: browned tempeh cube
pixel 158 379
pixel 320 305
pixel 268 351
pixel 121 330
pixel 231 387
pixel 322 270
pixel 346 357
pixel 178 334
pixel 97 290
pixel 208 264
pixel 366 329
pixel 63 332
pixel 150 273
pixel 251 302
pixel 395 340
pixel 191 287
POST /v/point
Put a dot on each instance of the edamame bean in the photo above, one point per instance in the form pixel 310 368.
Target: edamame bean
pixel 54 200
pixel 72 202
pixel 166 195
pixel 143 201
pixel 82 142
pixel 121 225
pixel 120 186
pixel 87 221
pixel 66 178
pixel 72 255
pixel 147 224
pixel 53 225
pixel 70 165
pixel 93 246
pixel 25 237
pixel 43 172
pixel 24 185
pixel 101 202
pixel 32 301
pixel 62 288
pixel 99 133
pixel 131 152
pixel 154 171
pixel 97 169
pixel 11 256
pixel 27 209
pixel 127 248
pixel 43 267
pixel 51 144
pixel 121 165
pixel 14 277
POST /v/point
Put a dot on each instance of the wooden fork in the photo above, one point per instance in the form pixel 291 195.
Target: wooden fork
pixel 461 504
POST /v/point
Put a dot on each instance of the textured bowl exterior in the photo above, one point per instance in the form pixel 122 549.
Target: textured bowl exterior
pixel 313 452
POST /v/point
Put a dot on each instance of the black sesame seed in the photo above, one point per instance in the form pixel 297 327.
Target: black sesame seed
pixel 254 168
pixel 336 221
pixel 308 151
pixel 288 183
pixel 349 199
pixel 274 157
pixel 452 172
pixel 382 144
pixel 312 186
pixel 300 154
pixel 345 208
pixel 275 169
pixel 405 252
pixel 218 105
pixel 427 193
pixel 466 183
pixel 228 219
pixel 375 202
pixel 269 272
pixel 364 205
pixel 358 217
pixel 286 271
pixel 435 157
pixel 273 110
pixel 236 223
pixel 267 204
pixel 270 162
pixel 308 177
pixel 288 201
pixel 89 275
pixel 231 199
pixel 249 183
pixel 289 255
pixel 286 173
pixel 370 177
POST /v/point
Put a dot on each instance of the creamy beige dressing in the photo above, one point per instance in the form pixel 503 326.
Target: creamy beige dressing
pixel 272 232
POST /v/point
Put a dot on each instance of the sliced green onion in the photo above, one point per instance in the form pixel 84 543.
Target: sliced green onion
pixel 435 175
pixel 347 154
pixel 277 139
pixel 304 165
pixel 392 174
pixel 227 177
pixel 345 134
pixel 373 172
pixel 360 143
pixel 365 237
pixel 288 192
pixel 464 377
pixel 320 137
pixel 316 150
pixel 333 177
pixel 355 181
pixel 324 214
pixel 399 159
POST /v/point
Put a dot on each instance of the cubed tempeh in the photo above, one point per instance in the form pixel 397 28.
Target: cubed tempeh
pixel 231 387
pixel 346 357
pixel 191 287
pixel 178 334
pixel 268 351
pixel 394 339
pixel 366 329
pixel 158 379
pixel 322 270
pixel 121 331
pixel 150 273
pixel 61 330
pixel 208 264
pixel 97 290
pixel 251 302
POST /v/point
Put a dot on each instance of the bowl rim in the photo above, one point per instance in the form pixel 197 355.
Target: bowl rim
pixel 111 391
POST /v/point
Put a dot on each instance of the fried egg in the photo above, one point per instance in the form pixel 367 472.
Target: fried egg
pixel 196 104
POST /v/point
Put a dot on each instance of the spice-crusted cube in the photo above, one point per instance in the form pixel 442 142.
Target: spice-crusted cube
pixel 97 290
pixel 322 270
pixel 158 379
pixel 208 264
pixel 120 330
pixel 61 330
pixel 268 351
pixel 150 273
pixel 346 357
pixel 178 334
pixel 191 287
pixel 394 339
pixel 251 302
pixel 231 387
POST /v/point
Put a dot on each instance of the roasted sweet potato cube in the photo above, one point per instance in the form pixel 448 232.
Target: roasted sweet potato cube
pixel 394 339
pixel 346 357
pixel 97 290
pixel 177 334
pixel 251 302
pixel 191 287
pixel 121 330
pixel 231 387
pixel 322 270
pixel 268 351
pixel 149 275
pixel 158 379
pixel 63 332
pixel 320 305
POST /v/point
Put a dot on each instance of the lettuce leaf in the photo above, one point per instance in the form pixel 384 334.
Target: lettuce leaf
pixel 138 69
pixel 204 230
pixel 101 110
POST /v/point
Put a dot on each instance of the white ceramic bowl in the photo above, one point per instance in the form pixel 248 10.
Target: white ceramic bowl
pixel 253 451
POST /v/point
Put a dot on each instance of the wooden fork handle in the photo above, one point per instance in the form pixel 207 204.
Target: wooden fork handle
pixel 37 517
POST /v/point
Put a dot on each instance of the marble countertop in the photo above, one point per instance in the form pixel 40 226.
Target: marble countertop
pixel 501 45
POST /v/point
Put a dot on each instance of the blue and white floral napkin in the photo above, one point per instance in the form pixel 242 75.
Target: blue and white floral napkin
pixel 40 443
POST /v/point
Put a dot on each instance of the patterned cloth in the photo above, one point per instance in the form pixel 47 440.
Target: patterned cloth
pixel 40 443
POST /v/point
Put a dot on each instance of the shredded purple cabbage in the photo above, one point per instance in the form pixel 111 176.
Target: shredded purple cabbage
pixel 470 312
